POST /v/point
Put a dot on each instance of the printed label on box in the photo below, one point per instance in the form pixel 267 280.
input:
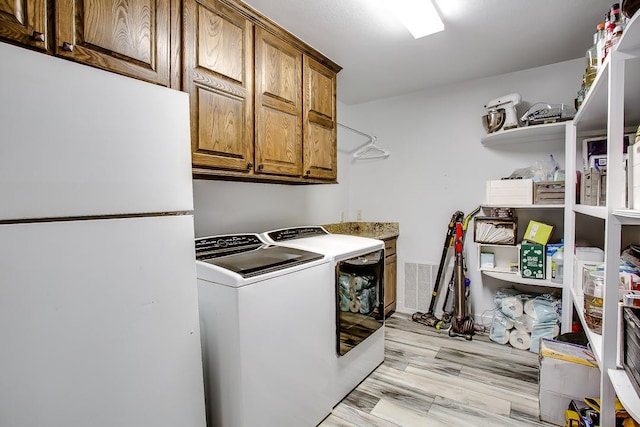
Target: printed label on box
pixel 532 261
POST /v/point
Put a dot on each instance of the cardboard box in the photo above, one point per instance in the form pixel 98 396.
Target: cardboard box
pixel 532 260
pixel 587 190
pixel 594 187
pixel 510 192
pixel 538 232
pixel 567 372
pixel 550 250
pixel 487 260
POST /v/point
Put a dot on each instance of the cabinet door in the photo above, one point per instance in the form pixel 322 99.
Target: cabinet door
pixel 218 75
pixel 390 276
pixel 129 37
pixel 278 106
pixel 319 121
pixel 24 22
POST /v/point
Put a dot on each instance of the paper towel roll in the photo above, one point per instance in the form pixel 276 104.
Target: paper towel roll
pixel 529 308
pixel 512 307
pixel 524 323
pixel 501 337
pixel 508 324
pixel 520 340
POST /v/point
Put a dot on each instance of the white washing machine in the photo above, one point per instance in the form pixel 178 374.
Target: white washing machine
pixel 357 300
pixel 263 314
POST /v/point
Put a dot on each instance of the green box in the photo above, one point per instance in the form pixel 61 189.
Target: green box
pixel 532 260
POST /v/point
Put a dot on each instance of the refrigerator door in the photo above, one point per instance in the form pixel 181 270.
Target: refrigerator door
pixel 78 141
pixel 99 324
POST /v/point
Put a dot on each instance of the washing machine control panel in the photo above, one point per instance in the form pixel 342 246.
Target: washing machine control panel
pixel 295 233
pixel 217 246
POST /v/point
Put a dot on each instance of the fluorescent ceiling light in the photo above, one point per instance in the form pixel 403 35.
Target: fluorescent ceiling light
pixel 419 16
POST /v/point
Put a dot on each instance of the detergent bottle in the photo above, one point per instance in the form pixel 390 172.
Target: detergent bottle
pixel 557 266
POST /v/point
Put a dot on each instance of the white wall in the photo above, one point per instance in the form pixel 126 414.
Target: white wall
pixel 229 207
pixel 438 164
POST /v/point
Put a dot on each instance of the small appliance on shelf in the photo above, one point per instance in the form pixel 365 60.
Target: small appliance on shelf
pixel 501 113
pixel 542 113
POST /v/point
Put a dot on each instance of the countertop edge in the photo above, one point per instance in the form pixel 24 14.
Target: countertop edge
pixel 371 229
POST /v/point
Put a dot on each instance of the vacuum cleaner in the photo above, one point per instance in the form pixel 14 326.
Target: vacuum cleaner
pixel 461 323
pixel 429 318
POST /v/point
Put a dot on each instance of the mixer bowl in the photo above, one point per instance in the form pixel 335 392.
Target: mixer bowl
pixel 494 120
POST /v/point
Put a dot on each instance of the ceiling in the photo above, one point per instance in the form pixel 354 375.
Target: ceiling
pixel 482 38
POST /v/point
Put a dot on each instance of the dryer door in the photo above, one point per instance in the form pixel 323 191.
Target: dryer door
pixel 359 299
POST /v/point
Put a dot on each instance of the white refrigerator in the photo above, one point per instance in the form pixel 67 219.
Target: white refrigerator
pixel 98 297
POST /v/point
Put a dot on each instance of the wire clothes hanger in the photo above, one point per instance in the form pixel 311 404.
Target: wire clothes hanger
pixel 370 150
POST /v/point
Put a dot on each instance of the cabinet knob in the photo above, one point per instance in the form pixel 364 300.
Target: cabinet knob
pixel 249 165
pixel 308 172
pixel 37 36
pixel 260 166
pixel 67 47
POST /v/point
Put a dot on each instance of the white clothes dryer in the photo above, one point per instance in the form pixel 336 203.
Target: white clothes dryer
pixel 356 296
pixel 263 314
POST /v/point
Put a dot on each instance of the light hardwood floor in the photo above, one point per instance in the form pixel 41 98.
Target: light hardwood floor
pixel 429 379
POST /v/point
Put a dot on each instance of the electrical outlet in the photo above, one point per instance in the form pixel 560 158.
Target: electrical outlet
pixel 359 215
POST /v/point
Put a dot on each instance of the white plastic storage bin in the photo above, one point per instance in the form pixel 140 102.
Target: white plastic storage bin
pixel 585 258
pixel 510 192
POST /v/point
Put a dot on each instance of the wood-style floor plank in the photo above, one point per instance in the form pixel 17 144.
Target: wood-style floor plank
pixel 402 396
pixel 431 379
pixel 358 417
pixel 452 413
pixel 400 415
pixel 441 385
pixel 334 421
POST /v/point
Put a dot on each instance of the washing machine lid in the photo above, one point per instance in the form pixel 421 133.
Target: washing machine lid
pixel 317 239
pixel 235 259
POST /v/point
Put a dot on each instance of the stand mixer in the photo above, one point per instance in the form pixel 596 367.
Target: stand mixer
pixel 501 113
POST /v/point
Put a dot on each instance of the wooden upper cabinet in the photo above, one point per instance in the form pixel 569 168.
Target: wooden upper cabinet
pixel 251 118
pixel 25 22
pixel 218 75
pixel 129 37
pixel 320 123
pixel 278 92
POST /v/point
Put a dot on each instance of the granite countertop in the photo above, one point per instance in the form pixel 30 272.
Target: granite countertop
pixel 375 230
